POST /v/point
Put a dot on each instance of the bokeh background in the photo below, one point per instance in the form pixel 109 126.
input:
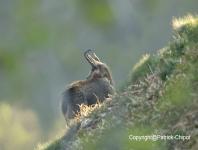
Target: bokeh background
pixel 41 47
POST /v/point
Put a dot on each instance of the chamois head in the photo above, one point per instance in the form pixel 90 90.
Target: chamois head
pixel 99 69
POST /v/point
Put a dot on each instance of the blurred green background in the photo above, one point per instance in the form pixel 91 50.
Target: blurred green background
pixel 41 46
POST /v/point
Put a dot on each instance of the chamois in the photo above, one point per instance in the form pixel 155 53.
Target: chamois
pixel 96 87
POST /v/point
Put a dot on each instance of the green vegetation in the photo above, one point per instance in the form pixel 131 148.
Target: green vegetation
pixel 160 98
pixel 18 129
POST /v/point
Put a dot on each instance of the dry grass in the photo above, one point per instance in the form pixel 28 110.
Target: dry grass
pixel 177 23
pixel 86 110
pixel 142 61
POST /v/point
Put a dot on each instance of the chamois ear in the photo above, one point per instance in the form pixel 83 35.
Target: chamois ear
pixel 109 75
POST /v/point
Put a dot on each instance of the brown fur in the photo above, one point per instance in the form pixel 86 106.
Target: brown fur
pixel 97 86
